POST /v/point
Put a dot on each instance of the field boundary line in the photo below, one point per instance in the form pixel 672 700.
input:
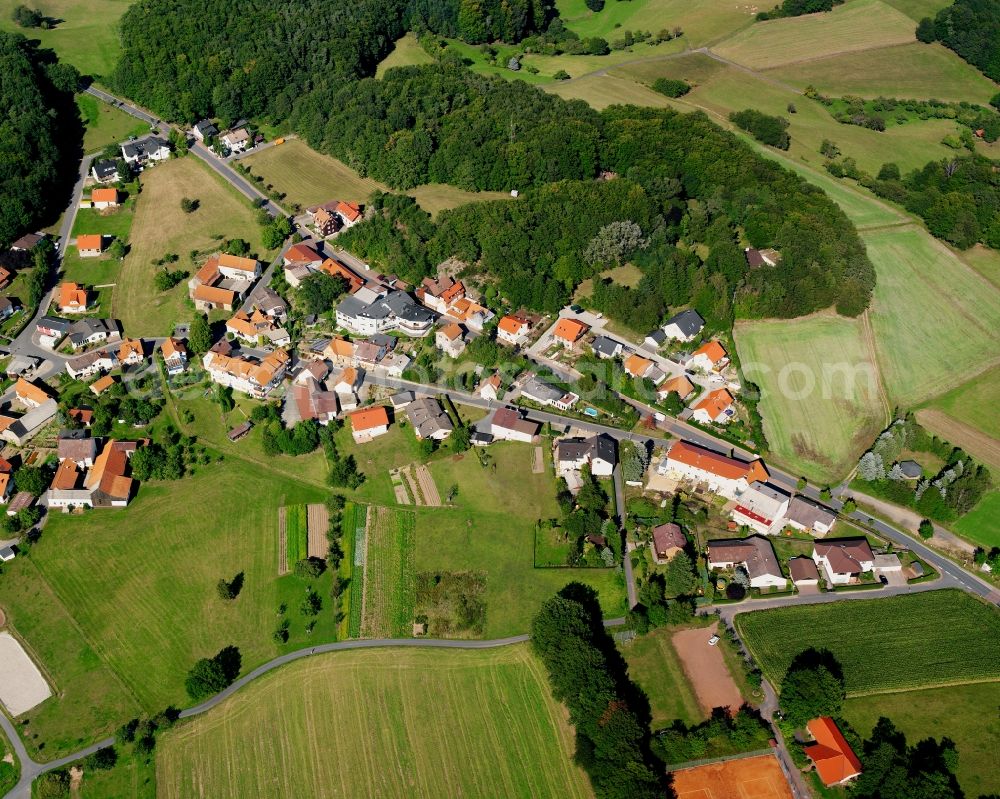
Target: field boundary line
pixel 720 759
pixel 935 686
pixel 868 335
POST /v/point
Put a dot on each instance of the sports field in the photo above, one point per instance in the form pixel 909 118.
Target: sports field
pixel 161 227
pixel 757 777
pixel 407 52
pixel 958 712
pixel 307 178
pixel 820 396
pixel 919 71
pixel 859 25
pixel 105 124
pixel 890 644
pixel 653 665
pixel 381 723
pixel 146 580
pixel 86 36
pixel 934 318
pixel 982 523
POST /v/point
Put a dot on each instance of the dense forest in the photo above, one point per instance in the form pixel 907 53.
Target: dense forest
pixel 479 21
pixel 796 8
pixel 41 135
pixel 972 29
pixel 959 199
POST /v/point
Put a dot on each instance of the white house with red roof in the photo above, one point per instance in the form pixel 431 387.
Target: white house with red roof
pixel 716 406
pixel 729 477
pixel 512 330
pixel 709 357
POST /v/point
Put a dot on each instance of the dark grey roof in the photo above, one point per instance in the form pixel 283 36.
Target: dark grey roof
pixel 428 417
pixel 689 322
pixel 82 329
pixel 396 303
pixel 478 437
pixel 402 398
pixel 105 168
pixel 382 340
pixel 538 389
pixel 606 346
pixel 657 335
pixel 267 299
pixel 754 551
pixel 601 447
pixel 911 469
pixel 54 323
pixel 605 448
pixel 142 146
pixel 206 128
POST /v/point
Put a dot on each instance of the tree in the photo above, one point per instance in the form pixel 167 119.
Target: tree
pixel 614 242
pixel 871 468
pixel 310 567
pixel 595 5
pixel 460 438
pixel 766 129
pixel 210 675
pixel 319 291
pixel 189 206
pixel 679 576
pixel 165 279
pixel 27 17
pixel 118 249
pixel 224 396
pixel 32 479
pixel 562 74
pixel 52 785
pixel 813 686
pixel 276 232
pixel 925 31
pixel 228 590
pixel 849 506
pixel 926 528
pixel 671 87
pixel 200 335
pixel 103 759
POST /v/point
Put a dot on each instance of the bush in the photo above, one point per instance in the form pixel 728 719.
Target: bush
pixel 735 591
pixel 671 87
pixel 189 206
pixel 769 130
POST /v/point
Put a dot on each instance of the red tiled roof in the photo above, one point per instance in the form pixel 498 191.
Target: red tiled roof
pixel 716 463
pixel 835 760
pixel 369 419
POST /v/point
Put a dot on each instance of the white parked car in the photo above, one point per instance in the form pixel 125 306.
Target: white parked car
pixel 713 640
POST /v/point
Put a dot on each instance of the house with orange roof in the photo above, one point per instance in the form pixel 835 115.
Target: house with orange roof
pixel 716 407
pixel 106 484
pixel 349 213
pixel 130 352
pixel 252 327
pixel 174 355
pixel 709 357
pixel 470 313
pixel 89 245
pixel 104 198
pixel 252 376
pixel 440 294
pixel 302 254
pixel 369 423
pixel 6 487
pixel 335 268
pixel 637 366
pixel 29 394
pixel 209 298
pixel 221 280
pixel 72 298
pixel 724 475
pixel 512 330
pixel 450 339
pixel 101 385
pixel 340 351
pixel 490 388
pixel 832 756
pixel 681 384
pixel 568 332
pixel 234 267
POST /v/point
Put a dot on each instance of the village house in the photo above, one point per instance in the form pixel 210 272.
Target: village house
pixel 607 348
pixel 681 384
pixel 684 326
pixel 77 447
pixel 537 390
pixel 255 327
pixel 438 295
pixel 88 332
pixel 716 407
pixel 569 332
pixel 803 571
pixel 654 339
pixel 106 484
pixel 18 430
pixel 429 419
pixel 369 311
pixel 204 129
pixel 301 255
pixel 401 399
pixel 755 554
pixel 6 276
pixel 90 364
pixel 759 258
pixel 726 476
pixel 71 298
pixel 89 245
pixel 349 213
pixel 130 352
pixel 222 280
pixel 599 452
pixel 6 487
pixel 369 423
pixel 311 400
pixel 709 357
pixel 29 394
pixel 450 340
pixel 668 540
pixel 637 366
pixel 508 425
pixel 269 302
pixel 512 330
pixel 105 171
pixel 761 507
pixel 330 217
pixel 254 377
pixel 369 352
pixel 347 385
pixel 489 389
pixel 102 199
pixel 236 141
pixel 174 355
pixel 335 268
pixel 843 559
pixel 804 514
pixel 470 313
pixel 101 385
pixel 833 757
pixel 141 151
pixel 340 351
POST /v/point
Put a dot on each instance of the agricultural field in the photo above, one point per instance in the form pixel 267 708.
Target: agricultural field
pixel 387 604
pixel 105 124
pixel 918 9
pixel 702 23
pixel 974 404
pixel 406 53
pixel 956 712
pixel 985 261
pixel 296 534
pixel 917 71
pixel 653 664
pixel 820 394
pixel 890 644
pixel 934 319
pixel 403 723
pixel 602 90
pixel 982 524
pixel 352 522
pixel 161 227
pixel 858 25
pixel 146 581
pixel 86 35
pixel 307 177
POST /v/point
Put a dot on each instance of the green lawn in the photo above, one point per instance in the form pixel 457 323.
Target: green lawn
pixel 654 666
pixel 105 124
pixel 703 22
pixel 888 644
pixel 918 71
pixel 985 261
pixel 964 713
pixel 982 523
pixel 973 406
pixel 86 36
pixel 600 91
pixel 918 9
pixel 407 52
pixel 10 771
pixel 115 222
pixel 145 582
pixel 402 723
pixel 820 394
pixel 859 25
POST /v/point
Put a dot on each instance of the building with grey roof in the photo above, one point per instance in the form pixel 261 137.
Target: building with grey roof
pixel 684 326
pixel 805 514
pixel 429 419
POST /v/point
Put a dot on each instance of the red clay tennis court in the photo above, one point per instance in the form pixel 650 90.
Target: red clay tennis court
pixel 748 778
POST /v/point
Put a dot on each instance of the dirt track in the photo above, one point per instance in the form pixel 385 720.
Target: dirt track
pixel 706 669
pixel 975 442
pixel 317 522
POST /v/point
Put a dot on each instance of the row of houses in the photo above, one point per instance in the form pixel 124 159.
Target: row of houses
pixel 251 374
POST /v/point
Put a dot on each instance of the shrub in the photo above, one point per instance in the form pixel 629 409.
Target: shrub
pixel 671 87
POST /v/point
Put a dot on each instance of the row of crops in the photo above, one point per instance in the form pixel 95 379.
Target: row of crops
pixel 352 567
pixel 896 643
pixel 388 611
pixel 296 534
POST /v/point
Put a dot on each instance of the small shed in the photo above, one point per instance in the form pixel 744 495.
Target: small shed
pixel 240 431
pixel 6 554
pixel 911 470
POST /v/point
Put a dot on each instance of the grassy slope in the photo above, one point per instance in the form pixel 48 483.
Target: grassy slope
pixel 161 227
pixel 975 403
pixel 820 398
pixel 982 523
pixel 955 712
pixel 702 22
pixel 918 9
pixel 407 52
pixel 87 36
pixel 859 25
pixel 888 644
pixel 604 90
pixel 654 666
pixel 401 722
pixel 105 124
pixel 143 587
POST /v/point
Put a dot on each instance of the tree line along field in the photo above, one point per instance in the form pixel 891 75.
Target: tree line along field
pixel 934 638
pixel 381 723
